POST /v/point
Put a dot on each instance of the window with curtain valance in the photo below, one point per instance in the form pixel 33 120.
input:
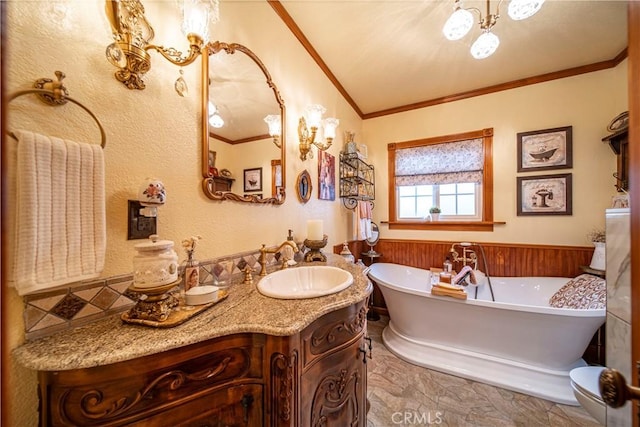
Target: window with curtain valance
pixel 453 172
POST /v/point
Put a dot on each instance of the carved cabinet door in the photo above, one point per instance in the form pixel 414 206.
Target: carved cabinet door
pixel 334 389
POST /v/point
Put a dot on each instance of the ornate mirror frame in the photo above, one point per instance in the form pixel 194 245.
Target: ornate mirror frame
pixel 375 235
pixel 207 183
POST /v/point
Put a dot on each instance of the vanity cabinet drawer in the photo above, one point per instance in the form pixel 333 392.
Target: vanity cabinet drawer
pixel 234 406
pixel 126 392
pixel 332 331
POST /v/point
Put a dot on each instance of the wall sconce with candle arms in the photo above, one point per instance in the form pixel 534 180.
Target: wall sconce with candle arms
pixel 313 115
pixel 275 127
pixel 133 33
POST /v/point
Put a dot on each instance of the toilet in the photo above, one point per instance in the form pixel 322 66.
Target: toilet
pixel 584 382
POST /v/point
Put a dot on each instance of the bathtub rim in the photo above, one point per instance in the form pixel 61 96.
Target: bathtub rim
pixel 573 312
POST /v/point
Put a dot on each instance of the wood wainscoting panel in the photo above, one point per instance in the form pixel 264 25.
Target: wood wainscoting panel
pixel 503 259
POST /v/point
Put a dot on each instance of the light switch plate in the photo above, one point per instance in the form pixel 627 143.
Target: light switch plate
pixel 139 226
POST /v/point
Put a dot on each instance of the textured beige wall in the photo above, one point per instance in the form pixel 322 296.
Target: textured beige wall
pixel 155 132
pixel 587 102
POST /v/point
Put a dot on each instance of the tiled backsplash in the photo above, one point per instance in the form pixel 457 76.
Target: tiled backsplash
pixel 84 302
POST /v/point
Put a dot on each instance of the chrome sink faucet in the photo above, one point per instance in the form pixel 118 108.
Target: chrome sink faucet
pixel 264 251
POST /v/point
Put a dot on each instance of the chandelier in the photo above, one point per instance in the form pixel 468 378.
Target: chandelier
pixel 461 21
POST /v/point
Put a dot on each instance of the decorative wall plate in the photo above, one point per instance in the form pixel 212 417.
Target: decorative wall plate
pixel 619 122
pixel 303 186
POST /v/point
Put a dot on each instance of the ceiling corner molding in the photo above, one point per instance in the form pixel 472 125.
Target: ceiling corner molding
pixel 561 74
pixel 569 72
pixel 293 27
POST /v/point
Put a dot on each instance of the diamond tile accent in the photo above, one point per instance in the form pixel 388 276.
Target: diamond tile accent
pixel 228 265
pixel 87 294
pixel 68 307
pixel 88 310
pixel 48 321
pixel 32 315
pixel 205 276
pixel 217 269
pixel 105 298
pixel 241 264
pixel 49 302
pixel 84 302
pixel 121 287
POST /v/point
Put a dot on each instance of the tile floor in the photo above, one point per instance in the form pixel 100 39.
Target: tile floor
pixel 402 394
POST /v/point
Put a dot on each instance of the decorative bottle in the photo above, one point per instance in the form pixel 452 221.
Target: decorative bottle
pixel 288 252
pixel 447 267
pixel 346 253
pixel 192 266
pixel 191 273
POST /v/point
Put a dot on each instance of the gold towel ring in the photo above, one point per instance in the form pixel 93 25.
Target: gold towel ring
pixel 57 96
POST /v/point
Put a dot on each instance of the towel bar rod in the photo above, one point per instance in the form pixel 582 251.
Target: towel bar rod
pixel 57 96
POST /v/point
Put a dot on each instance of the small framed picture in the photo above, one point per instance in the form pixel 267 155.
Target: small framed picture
pixel 276 177
pixel 253 179
pixel 326 176
pixel 544 195
pixel 545 149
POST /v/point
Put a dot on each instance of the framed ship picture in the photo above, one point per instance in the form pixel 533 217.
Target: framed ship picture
pixel 545 149
pixel 253 179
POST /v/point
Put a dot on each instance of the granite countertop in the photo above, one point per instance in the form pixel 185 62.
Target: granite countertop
pixel 110 340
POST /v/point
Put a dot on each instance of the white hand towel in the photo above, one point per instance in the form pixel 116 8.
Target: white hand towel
pixel 60 226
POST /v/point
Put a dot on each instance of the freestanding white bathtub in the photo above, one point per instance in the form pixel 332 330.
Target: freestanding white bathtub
pixel 518 342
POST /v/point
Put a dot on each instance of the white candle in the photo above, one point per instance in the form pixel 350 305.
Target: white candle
pixel 314 229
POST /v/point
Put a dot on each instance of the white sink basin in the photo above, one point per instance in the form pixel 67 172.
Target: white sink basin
pixel 305 282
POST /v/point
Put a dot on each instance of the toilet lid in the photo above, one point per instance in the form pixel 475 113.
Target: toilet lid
pixel 586 379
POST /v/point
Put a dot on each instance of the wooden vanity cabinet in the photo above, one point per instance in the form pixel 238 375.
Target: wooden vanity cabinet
pixel 333 381
pixel 316 377
pixel 217 379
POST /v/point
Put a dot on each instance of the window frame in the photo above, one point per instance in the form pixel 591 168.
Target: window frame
pixel 485 224
pixel 478 204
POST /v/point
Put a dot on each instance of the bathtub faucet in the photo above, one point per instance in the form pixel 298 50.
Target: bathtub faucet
pixel 468 256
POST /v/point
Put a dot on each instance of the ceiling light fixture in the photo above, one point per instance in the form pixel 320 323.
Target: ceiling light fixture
pixel 132 35
pixel 461 21
pixel 215 119
pixel 313 115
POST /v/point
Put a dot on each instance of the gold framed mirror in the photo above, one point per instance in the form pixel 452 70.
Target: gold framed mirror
pixel 238 88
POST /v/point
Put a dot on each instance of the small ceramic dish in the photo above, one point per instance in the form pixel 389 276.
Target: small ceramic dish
pixel 201 295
